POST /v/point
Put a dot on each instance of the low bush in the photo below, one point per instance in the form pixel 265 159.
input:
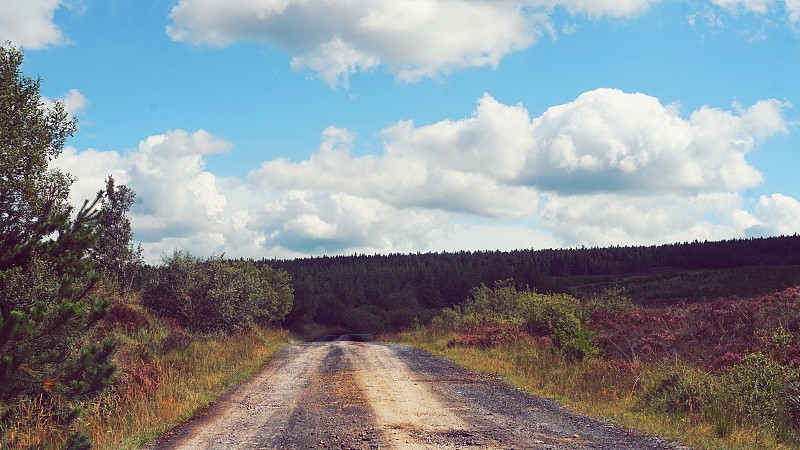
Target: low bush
pixel 766 391
pixel 578 341
pixel 610 303
pixel 501 313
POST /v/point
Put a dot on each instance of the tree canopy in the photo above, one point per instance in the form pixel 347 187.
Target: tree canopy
pixel 47 269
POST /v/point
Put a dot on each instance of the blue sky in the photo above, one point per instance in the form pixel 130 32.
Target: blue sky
pixel 288 128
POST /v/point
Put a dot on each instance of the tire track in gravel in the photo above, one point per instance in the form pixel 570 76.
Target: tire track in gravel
pixel 368 395
pixel 409 413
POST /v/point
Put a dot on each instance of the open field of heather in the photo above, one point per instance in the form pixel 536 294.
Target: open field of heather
pixel 713 373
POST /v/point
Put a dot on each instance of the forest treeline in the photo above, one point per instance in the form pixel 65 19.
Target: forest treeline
pixel 382 292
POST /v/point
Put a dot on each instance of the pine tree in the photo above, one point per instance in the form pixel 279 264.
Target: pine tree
pixel 47 272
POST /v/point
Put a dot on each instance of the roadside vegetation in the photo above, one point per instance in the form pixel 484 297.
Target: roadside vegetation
pixel 85 360
pixel 714 374
pixel 165 375
pixel 381 293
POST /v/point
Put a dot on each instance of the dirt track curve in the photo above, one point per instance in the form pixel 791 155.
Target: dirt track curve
pixel 370 395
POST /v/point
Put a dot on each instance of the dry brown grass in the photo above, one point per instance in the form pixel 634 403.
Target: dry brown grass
pixel 187 379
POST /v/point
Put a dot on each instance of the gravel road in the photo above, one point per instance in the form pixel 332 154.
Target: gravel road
pixel 371 395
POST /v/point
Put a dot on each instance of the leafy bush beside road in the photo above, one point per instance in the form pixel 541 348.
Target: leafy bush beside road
pixel 502 311
pixel 217 295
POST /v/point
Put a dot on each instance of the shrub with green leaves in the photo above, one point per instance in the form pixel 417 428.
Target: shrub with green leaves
pixel 558 315
pixel 548 313
pixel 449 319
pixel 611 302
pixel 564 318
pixel 765 389
pixel 216 295
pixel 757 391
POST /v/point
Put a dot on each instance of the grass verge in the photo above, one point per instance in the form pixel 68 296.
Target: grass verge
pixel 165 376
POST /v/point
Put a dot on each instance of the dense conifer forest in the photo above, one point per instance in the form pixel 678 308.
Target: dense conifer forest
pixel 382 292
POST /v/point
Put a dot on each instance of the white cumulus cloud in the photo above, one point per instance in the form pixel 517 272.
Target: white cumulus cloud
pixel 607 219
pixel 74 101
pixel 179 204
pixel 762 7
pixel 335 60
pixel 608 140
pixel 29 23
pixel 607 168
pixel 177 200
pixel 317 222
pixel 466 166
pixel 413 39
pixel 776 214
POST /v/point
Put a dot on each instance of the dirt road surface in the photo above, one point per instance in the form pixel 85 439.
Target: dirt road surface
pixel 371 395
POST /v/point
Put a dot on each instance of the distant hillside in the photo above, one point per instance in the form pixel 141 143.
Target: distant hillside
pixel 387 291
